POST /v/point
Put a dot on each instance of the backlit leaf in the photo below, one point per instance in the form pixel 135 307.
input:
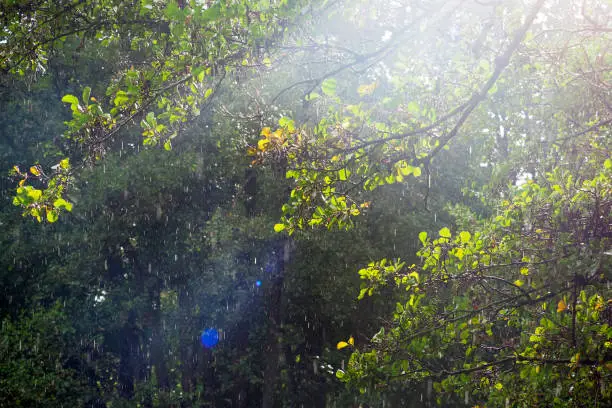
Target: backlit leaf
pixel 561 306
pixel 341 345
pixel 423 237
pixel 86 94
pixel 445 232
pixel 367 89
pixel 52 215
pixel 329 87
pixel 71 99
pixel 61 203
pixel 343 174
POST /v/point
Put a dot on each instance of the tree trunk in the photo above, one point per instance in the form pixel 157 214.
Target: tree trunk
pixel 157 341
pixel 274 306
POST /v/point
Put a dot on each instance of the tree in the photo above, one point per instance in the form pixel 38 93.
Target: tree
pixel 505 103
pixel 175 56
pixel 515 300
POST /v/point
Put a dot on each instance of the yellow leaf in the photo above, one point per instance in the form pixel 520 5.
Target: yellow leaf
pixel 351 341
pixel 265 131
pixel 341 345
pixel 34 170
pixel 367 89
pixel 21 182
pixel 277 136
pixel 251 151
pixel 262 144
pixel 561 306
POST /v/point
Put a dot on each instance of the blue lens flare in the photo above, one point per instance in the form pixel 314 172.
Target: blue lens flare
pixel 209 338
pixel 258 283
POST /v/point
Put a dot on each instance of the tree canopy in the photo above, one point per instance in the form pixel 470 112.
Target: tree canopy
pixel 441 169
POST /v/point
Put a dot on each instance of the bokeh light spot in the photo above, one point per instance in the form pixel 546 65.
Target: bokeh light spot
pixel 209 338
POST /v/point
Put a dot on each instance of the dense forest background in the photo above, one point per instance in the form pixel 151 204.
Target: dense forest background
pixel 295 203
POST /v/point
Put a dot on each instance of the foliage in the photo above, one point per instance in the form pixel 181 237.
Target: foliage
pixel 521 302
pixel 195 130
pixel 183 51
pixel 34 366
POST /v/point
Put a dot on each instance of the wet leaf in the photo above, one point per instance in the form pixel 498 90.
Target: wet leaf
pixel 561 306
pixel 341 345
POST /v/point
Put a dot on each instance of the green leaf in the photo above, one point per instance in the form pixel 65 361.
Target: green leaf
pixel 208 92
pixel 35 212
pixel 279 227
pixel 200 75
pixel 608 164
pixel 405 170
pixel 343 174
pixel 312 96
pixel 329 87
pixel 52 215
pixel 445 232
pixel 416 172
pixel 465 237
pixel 151 119
pixel 413 108
pixel 172 11
pixel 34 194
pixel 211 13
pixel 287 122
pixel 362 293
pixel 61 203
pixel 64 164
pixel 423 237
pixel 340 374
pixel 121 98
pixel 168 145
pixel 71 99
pixel 86 94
